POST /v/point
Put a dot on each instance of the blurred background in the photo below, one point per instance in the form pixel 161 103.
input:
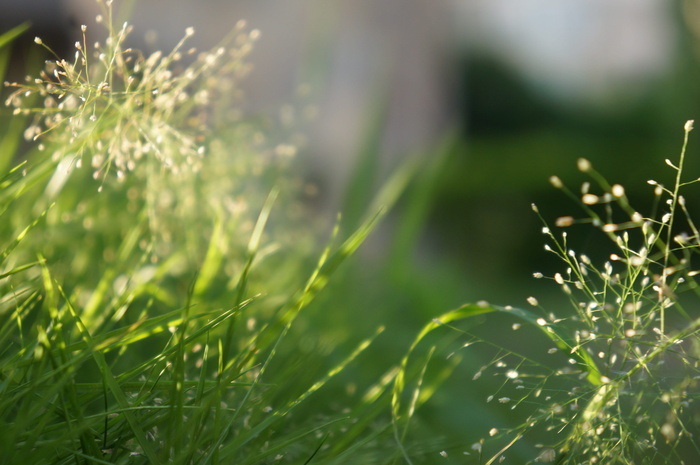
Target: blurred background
pixel 496 95
pixel 525 87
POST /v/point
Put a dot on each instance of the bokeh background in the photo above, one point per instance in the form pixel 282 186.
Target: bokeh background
pixel 498 94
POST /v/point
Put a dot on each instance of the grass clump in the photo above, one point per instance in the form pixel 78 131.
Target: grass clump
pixel 153 260
pixel 614 380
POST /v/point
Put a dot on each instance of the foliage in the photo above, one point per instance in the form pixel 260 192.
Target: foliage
pixel 154 260
pixel 156 265
pixel 619 381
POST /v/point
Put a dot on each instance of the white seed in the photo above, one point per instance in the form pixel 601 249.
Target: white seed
pixel 564 221
pixel 583 165
pixel 589 199
pixel 556 182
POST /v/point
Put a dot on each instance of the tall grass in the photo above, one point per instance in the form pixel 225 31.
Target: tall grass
pixel 156 263
pixel 154 258
pixel 613 380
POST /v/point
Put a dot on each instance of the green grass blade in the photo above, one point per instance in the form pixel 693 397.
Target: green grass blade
pixel 416 208
pixel 468 311
pixel 112 384
pixel 212 261
pixel 5 253
pixel 282 412
pixel 253 246
pixel 12 34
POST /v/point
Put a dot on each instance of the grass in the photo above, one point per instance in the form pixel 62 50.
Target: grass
pixel 155 260
pixel 157 267
pixel 618 381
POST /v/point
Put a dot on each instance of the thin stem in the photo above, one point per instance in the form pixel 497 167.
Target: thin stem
pixel 674 202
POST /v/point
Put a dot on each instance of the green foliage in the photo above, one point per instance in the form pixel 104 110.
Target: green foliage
pixel 619 382
pixel 154 260
pixel 156 268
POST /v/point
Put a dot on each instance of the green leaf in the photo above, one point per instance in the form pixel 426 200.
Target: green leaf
pixel 12 34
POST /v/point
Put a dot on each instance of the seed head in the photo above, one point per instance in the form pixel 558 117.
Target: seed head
pixel 564 221
pixel 589 199
pixel 583 165
pixel 556 182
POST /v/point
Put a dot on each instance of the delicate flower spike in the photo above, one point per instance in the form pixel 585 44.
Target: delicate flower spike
pixel 689 125
pixel 37 40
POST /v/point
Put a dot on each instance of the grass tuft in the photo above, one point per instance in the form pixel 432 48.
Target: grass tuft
pixel 618 383
pixel 154 259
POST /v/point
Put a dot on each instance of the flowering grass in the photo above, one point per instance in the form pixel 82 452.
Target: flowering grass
pixel 154 260
pixel 156 264
pixel 614 380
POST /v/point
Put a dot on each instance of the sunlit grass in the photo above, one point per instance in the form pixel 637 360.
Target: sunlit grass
pixel 619 381
pixel 154 259
pixel 156 265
